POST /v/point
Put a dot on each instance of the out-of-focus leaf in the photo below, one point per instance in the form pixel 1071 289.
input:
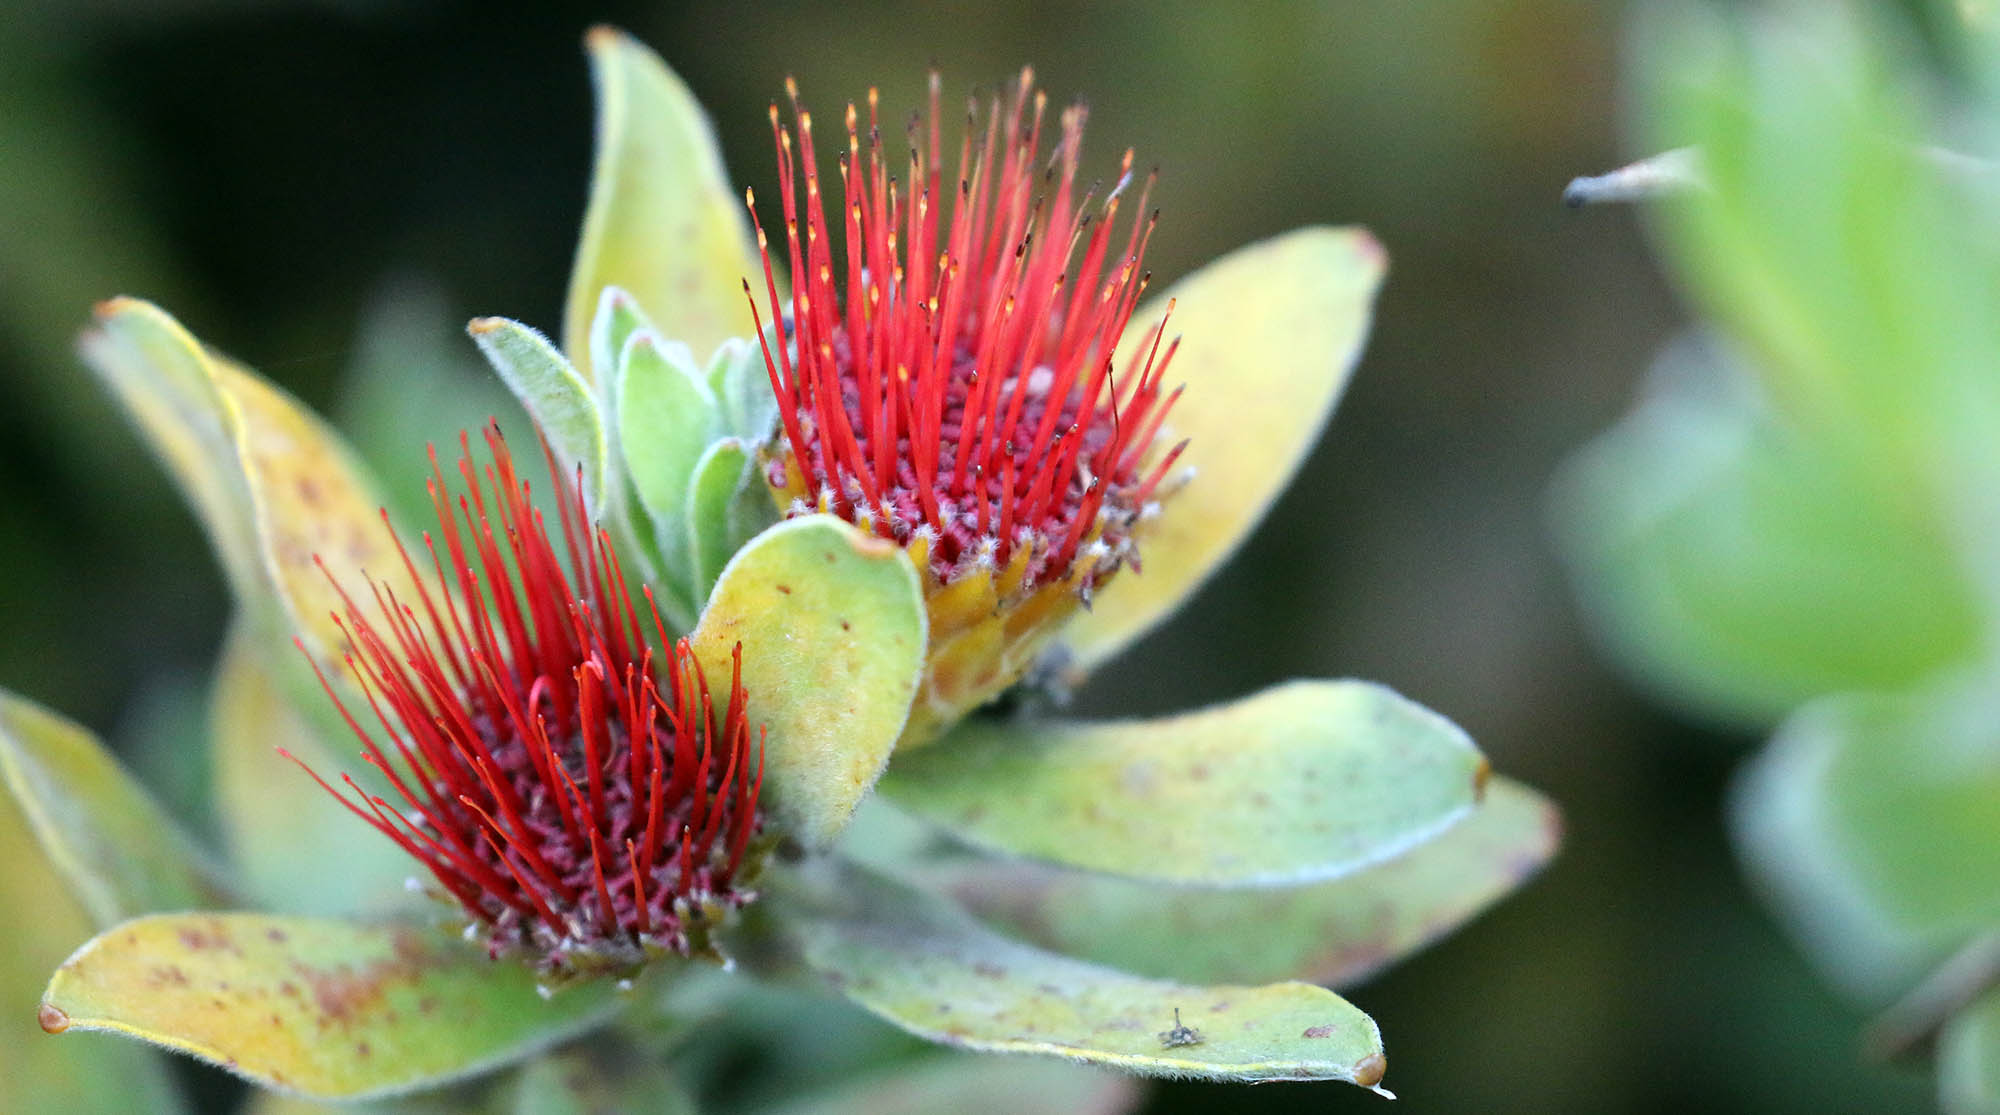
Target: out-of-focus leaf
pixel 1336 933
pixel 1969 1060
pixel 600 1077
pixel 297 849
pixel 831 622
pixel 1736 566
pixel 928 967
pixel 414 382
pixel 1870 821
pixel 120 853
pixel 1269 334
pixel 1858 271
pixel 961 1083
pixel 92 1076
pixel 663 222
pixel 560 401
pixel 325 1008
pixel 1303 782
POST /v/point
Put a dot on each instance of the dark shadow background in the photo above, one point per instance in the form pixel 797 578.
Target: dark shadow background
pixel 262 168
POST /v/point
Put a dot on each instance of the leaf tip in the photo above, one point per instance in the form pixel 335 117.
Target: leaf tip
pixel 114 306
pixel 1482 773
pixel 480 326
pixel 603 38
pixel 1369 1070
pixel 52 1018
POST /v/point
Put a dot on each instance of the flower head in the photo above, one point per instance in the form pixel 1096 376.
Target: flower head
pixel 950 383
pixel 583 798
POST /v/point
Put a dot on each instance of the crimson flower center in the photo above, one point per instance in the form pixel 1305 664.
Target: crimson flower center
pixel 952 381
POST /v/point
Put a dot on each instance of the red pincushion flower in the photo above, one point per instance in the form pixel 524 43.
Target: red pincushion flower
pixel 584 797
pixel 951 385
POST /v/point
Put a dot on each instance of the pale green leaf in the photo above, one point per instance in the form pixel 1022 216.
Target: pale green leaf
pixel 832 628
pixel 558 399
pixel 1336 933
pixel 120 853
pixel 297 849
pixel 599 1077
pixel 1968 1057
pixel 1305 781
pixel 1869 820
pixel 742 385
pixel 42 921
pixel 666 419
pixel 663 221
pixel 330 1009
pixel 728 505
pixel 954 1082
pixel 1269 335
pixel 928 967
pixel 1735 565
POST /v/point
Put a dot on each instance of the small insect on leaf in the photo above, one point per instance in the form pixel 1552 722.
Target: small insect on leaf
pixel 1180 1035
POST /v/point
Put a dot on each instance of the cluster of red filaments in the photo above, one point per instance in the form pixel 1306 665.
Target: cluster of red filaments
pixel 952 382
pixel 585 798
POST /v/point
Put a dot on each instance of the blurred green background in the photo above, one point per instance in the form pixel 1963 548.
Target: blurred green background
pixel 278 173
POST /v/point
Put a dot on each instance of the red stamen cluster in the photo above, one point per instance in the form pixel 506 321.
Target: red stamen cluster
pixel 580 797
pixel 953 383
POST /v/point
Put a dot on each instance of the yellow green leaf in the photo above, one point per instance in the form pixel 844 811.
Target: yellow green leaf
pixel 121 854
pixel 42 921
pixel 831 622
pixel 310 499
pixel 1269 334
pixel 663 222
pixel 328 1009
pixel 161 376
pixel 928 967
pixel 297 849
pixel 1336 933
pixel 1303 782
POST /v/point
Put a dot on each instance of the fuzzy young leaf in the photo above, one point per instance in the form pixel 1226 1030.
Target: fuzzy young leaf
pixel 1335 934
pixel 663 221
pixel 831 621
pixel 1303 782
pixel 330 1009
pixel 1270 333
pixel 666 419
pixel 928 967
pixel 727 506
pixel 742 385
pixel 553 393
